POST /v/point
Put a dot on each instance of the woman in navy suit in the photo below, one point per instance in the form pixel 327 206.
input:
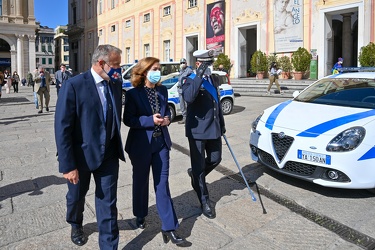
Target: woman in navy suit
pixel 148 144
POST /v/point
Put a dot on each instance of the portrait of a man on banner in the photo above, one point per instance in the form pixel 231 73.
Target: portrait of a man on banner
pixel 215 30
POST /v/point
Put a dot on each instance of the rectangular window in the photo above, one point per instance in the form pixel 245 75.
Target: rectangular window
pixel 89 10
pixel 167 50
pixel 49 60
pixel 146 18
pixel 100 32
pixel 167 11
pixel 192 3
pixel 74 15
pixel 66 48
pixel 147 50
pixel 113 4
pixel 43 48
pixel 89 35
pixel 50 48
pixel 43 61
pixel 100 6
pixel 127 54
pixel 113 28
pixel 66 40
pixel 66 58
pixel 127 24
pixel 37 61
pixel 36 48
pixel 1 8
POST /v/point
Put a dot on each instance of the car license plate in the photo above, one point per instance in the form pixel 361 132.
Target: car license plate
pixel 314 157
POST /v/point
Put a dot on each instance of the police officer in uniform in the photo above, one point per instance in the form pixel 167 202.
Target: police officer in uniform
pixel 204 125
pixel 184 71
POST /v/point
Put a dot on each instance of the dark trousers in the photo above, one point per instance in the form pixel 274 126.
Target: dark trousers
pixel 205 155
pixel 105 177
pixel 15 86
pixel 158 159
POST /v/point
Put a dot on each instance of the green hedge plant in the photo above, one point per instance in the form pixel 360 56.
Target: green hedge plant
pixel 367 55
pixel 258 62
pixel 301 60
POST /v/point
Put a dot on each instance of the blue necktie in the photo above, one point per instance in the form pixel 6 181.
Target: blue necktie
pixel 108 113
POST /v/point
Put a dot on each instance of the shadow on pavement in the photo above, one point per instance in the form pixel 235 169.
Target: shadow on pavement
pixel 237 109
pixel 34 186
pixel 187 207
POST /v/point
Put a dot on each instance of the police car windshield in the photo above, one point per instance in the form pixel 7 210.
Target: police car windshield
pixel 170 82
pixel 347 92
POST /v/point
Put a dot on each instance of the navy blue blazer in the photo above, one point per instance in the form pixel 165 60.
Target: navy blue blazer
pixel 80 130
pixel 204 117
pixel 138 116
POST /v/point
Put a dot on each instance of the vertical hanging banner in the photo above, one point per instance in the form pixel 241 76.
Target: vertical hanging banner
pixel 215 29
pixel 288 25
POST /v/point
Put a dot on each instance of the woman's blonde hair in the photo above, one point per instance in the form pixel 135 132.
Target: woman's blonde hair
pixel 139 71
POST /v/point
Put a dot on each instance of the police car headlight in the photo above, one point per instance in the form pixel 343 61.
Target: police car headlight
pixel 255 122
pixel 347 140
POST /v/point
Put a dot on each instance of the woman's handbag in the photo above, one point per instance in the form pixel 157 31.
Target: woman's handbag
pixel 36 100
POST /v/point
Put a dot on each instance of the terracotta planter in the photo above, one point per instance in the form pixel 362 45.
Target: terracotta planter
pixel 298 75
pixel 260 75
pixel 285 75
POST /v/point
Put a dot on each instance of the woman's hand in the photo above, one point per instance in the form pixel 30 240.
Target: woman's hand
pixel 158 120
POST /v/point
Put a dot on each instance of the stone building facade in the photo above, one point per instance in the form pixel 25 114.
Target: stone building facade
pixel 171 30
pixel 17 36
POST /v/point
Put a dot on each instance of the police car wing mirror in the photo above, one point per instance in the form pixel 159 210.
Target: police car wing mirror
pixel 295 93
pixel 126 77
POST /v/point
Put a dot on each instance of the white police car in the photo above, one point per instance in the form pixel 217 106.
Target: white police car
pixel 325 135
pixel 226 93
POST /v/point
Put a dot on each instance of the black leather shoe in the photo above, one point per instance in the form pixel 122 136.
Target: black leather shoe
pixel 140 222
pixel 40 111
pixel 47 109
pixel 208 211
pixel 190 173
pixel 78 237
pixel 171 235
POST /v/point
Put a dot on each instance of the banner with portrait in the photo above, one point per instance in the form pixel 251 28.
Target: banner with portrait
pixel 215 29
pixel 288 25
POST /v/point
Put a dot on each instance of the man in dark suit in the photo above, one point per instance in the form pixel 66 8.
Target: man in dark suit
pixel 204 125
pixel 88 140
pixel 61 76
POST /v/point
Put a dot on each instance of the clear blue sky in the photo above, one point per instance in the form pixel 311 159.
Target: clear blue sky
pixel 51 13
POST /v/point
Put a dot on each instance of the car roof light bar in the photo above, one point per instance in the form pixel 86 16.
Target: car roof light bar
pixel 356 69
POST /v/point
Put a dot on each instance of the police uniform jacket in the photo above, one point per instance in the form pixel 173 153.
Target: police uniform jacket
pixel 204 119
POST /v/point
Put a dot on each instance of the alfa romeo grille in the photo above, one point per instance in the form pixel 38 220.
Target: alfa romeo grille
pixel 298 168
pixel 267 159
pixel 281 144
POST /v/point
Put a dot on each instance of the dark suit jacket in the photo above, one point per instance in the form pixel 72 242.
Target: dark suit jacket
pixel 138 116
pixel 204 118
pixel 80 130
pixel 60 79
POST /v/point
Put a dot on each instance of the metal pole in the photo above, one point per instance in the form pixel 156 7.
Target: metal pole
pixel 239 168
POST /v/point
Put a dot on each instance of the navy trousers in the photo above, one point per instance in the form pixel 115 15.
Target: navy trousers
pixel 205 155
pixel 105 177
pixel 158 159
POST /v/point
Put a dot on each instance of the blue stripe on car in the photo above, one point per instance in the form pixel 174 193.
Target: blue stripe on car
pixel 174 100
pixel 368 155
pixel 272 118
pixel 328 125
pixel 226 92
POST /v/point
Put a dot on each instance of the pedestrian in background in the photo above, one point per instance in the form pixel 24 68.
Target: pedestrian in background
pixel 8 81
pixel 148 145
pixel 42 86
pixel 30 80
pixel 221 68
pixel 338 65
pixel 184 71
pixel 204 126
pixel 61 76
pixel 2 82
pixel 23 81
pixel 274 73
pixel 15 81
pixel 88 140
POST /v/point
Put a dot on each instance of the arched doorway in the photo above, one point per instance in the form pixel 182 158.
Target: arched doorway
pixel 5 61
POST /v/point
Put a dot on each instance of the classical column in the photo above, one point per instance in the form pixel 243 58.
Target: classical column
pixel 13 60
pixel 5 8
pixel 347 39
pixel 20 55
pixel 32 60
pixel 18 12
pixel 31 17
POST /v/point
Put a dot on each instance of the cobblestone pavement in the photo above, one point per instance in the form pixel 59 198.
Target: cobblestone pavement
pixel 32 193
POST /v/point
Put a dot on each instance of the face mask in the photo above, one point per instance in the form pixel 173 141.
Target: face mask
pixel 154 76
pixel 182 65
pixel 114 74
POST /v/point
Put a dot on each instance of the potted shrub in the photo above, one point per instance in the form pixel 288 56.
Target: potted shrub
pixel 224 60
pixel 301 61
pixel 286 65
pixel 259 63
pixel 367 55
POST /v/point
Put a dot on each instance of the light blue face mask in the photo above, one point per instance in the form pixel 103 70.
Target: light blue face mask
pixel 154 76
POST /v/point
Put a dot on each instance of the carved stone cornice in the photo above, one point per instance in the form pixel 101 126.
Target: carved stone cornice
pixel 31 38
pixel 192 28
pixel 248 16
pixel 192 11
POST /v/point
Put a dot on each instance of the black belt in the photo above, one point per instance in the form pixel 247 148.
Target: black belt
pixel 156 134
